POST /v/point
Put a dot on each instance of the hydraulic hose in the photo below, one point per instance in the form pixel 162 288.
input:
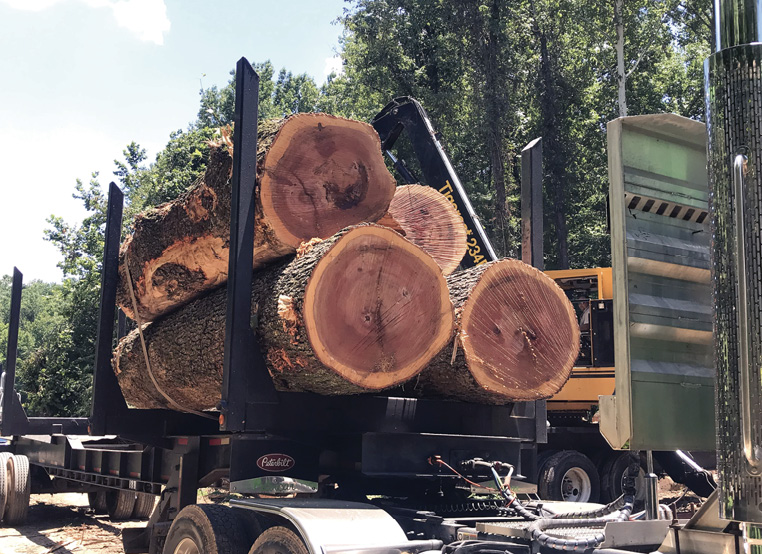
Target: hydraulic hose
pixel 623 505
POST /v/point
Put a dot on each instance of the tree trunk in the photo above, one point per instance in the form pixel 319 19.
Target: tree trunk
pixel 316 175
pixel 621 76
pixel 517 337
pixel 362 311
pixel 428 219
pixel 554 149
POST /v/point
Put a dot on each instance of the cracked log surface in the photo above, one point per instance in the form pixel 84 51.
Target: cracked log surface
pixel 362 311
pixel 317 174
pixel 428 219
pixel 517 337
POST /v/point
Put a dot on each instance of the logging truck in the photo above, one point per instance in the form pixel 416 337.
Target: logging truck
pixel 254 387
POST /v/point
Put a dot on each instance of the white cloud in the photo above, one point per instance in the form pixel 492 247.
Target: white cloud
pixel 147 19
pixel 333 65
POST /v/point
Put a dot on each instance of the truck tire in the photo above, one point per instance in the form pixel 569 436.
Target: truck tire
pixel 97 501
pixel 279 540
pixel 17 506
pixel 120 503
pixel 144 504
pixel 570 476
pixel 4 489
pixel 613 472
pixel 206 529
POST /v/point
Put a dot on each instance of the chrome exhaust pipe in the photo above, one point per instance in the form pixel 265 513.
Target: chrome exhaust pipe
pixel 733 81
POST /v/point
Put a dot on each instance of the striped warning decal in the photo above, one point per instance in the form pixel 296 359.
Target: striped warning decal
pixel 661 207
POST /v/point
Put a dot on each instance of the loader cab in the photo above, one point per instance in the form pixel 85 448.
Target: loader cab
pixel 590 291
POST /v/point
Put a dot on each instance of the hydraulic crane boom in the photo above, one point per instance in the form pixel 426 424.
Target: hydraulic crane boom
pixel 406 114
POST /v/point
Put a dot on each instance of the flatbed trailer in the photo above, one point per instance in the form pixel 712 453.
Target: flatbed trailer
pixel 260 442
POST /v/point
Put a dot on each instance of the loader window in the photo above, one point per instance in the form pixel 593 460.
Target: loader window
pixel 595 320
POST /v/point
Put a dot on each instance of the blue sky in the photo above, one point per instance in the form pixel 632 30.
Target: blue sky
pixel 80 79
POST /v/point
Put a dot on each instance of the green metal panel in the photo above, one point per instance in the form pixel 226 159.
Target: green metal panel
pixel 660 240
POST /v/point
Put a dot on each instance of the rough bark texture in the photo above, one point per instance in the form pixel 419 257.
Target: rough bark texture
pixel 316 174
pixel 361 311
pixel 517 337
pixel 431 222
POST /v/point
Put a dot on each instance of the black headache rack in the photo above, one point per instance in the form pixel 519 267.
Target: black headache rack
pixel 263 439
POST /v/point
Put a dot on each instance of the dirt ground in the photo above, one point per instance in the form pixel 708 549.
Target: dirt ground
pixel 60 524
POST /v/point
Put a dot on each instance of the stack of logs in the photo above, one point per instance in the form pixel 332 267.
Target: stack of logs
pixel 354 290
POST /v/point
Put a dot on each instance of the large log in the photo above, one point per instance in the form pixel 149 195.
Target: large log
pixel 362 311
pixel 317 174
pixel 429 220
pixel 517 337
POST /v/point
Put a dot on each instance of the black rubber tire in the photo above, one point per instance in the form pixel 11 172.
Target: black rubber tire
pixel 542 457
pixel 97 501
pixel 4 488
pixel 120 503
pixel 213 529
pixel 613 469
pixel 279 540
pixel 550 482
pixel 144 504
pixel 17 506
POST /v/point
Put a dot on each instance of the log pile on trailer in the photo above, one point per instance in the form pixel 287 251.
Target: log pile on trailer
pixel 340 305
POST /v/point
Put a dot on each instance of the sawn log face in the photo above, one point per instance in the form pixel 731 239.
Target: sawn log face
pixel 517 337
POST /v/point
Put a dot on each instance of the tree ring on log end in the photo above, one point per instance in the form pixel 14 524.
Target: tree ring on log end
pixel 377 308
pixel 429 220
pixel 519 332
pixel 322 174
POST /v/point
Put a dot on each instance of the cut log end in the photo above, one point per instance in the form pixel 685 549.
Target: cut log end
pixel 377 297
pixel 519 332
pixel 431 222
pixel 323 173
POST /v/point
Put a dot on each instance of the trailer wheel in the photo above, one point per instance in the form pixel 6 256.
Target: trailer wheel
pixel 279 540
pixel 97 501
pixel 17 505
pixel 120 503
pixel 144 504
pixel 4 489
pixel 206 529
pixel 613 472
pixel 570 476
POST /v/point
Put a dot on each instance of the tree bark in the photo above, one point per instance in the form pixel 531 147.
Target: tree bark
pixel 316 175
pixel 428 219
pixel 362 311
pixel 516 338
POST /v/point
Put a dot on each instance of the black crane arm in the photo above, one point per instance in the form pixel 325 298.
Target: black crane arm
pixel 407 114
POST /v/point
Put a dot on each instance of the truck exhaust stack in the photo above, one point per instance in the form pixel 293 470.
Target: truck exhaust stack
pixel 734 126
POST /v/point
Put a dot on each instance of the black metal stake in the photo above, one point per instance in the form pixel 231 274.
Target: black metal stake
pixel 244 373
pixel 107 396
pixel 9 374
pixel 531 205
